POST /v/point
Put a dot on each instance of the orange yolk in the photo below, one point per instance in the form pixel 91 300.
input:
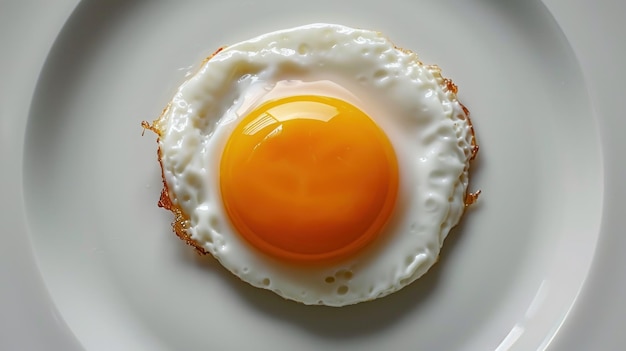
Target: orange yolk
pixel 308 178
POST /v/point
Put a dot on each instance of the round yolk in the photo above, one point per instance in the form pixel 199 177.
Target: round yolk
pixel 308 178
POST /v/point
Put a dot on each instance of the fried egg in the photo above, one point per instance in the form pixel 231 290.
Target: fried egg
pixel 320 162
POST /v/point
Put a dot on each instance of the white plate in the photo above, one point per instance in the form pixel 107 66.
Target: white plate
pixel 508 275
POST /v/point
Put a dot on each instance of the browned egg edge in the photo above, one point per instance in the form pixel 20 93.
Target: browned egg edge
pixel 181 219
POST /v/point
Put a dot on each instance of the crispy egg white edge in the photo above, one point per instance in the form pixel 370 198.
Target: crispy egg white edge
pixel 433 172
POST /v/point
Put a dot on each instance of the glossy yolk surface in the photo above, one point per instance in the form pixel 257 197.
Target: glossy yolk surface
pixel 308 178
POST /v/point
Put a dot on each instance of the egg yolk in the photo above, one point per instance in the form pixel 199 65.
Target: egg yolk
pixel 308 178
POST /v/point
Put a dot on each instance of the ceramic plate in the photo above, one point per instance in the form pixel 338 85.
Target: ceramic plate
pixel 507 277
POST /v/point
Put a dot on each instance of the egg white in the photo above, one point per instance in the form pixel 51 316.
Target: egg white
pixel 411 102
